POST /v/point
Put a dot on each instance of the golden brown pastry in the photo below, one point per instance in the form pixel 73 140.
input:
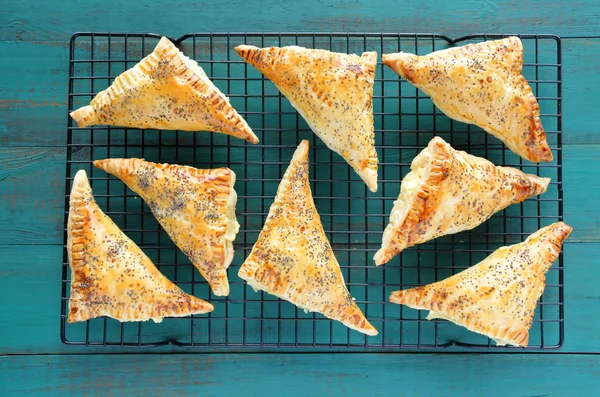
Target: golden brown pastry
pixel 195 207
pixel 497 297
pixel 110 275
pixel 292 258
pixel 333 92
pixel 168 91
pixel 448 191
pixel 481 84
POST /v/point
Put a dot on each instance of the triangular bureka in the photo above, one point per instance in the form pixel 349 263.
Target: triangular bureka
pixel 292 258
pixel 481 84
pixel 448 191
pixel 110 275
pixel 333 92
pixel 168 91
pixel 497 297
pixel 195 207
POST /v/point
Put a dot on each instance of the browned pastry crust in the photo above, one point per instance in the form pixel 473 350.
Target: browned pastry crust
pixel 481 84
pixel 333 92
pixel 292 258
pixel 449 191
pixel 166 90
pixel 110 275
pixel 195 207
pixel 498 296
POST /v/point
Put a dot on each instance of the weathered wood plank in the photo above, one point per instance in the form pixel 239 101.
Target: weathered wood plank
pixel 581 68
pixel 33 94
pixel 301 375
pixel 31 276
pixel 581 181
pixel 32 21
pixel 32 191
pixel 33 110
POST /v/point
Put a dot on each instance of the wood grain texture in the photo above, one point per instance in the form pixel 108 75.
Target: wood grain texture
pixel 32 191
pixel 33 94
pixel 32 325
pixel 32 181
pixel 34 21
pixel 580 191
pixel 301 375
pixel 581 68
pixel 33 110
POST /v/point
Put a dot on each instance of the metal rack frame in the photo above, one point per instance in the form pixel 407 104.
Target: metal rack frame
pixel 353 218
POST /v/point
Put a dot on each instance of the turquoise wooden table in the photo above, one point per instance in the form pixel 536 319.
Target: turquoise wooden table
pixel 33 104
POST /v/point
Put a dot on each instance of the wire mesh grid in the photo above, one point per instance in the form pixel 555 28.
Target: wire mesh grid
pixel 353 218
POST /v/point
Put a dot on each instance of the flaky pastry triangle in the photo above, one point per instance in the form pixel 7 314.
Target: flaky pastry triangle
pixel 333 92
pixel 166 90
pixel 498 296
pixel 292 258
pixel 481 84
pixel 110 275
pixel 448 191
pixel 195 207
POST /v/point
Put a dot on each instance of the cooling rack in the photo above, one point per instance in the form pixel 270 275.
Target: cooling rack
pixel 353 218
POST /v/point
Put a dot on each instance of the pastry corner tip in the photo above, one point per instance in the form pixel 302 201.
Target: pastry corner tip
pixel 392 58
pixel 84 116
pixel 245 50
pixel 80 188
pixel 541 154
pixel 115 166
pixel 243 272
pixel 568 228
pixel 382 256
pixel 252 138
pixel 437 145
pixel 164 40
pixel 220 289
pixel 555 234
pixel 370 57
pixel 387 60
pixel 518 338
pixel 562 229
pixel 200 306
pixel 369 330
pixel 164 45
pixel 396 297
pixel 516 40
pixel 438 142
pixel 301 152
pixel 356 320
pixel 100 163
pixel 370 179
pixel 545 182
pixel 209 307
pixel 80 178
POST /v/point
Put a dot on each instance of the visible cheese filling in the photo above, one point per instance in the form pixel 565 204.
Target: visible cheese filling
pixel 232 224
pixel 411 184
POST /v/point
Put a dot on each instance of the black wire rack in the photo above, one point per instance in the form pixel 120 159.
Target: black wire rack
pixel 353 218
